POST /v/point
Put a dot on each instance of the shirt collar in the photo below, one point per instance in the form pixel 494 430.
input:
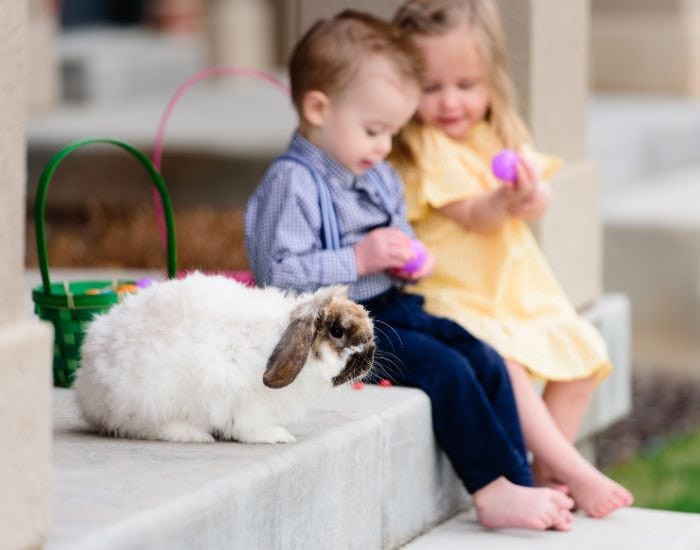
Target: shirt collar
pixel 326 165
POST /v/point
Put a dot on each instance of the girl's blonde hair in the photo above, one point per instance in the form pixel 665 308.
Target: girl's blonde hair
pixel 438 17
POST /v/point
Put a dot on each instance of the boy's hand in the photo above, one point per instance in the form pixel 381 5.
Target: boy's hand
pixel 383 249
pixel 424 270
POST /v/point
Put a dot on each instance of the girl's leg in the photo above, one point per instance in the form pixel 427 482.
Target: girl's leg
pixel 567 403
pixel 595 493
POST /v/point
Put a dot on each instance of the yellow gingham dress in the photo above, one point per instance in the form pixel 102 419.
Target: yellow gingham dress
pixel 497 285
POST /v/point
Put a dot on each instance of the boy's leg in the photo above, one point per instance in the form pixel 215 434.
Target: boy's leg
pixel 476 445
pixel 593 492
pixel 466 407
pixel 490 369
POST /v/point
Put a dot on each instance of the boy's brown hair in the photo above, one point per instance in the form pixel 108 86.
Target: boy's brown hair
pixel 329 55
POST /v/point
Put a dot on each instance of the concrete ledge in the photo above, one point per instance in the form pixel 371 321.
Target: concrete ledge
pixel 631 136
pixel 211 118
pixel 652 254
pixel 627 528
pixel 363 474
pixel 613 397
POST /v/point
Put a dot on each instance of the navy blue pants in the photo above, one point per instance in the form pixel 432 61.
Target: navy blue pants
pixel 474 412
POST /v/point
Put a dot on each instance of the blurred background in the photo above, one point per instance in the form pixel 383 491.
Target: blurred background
pixel 109 67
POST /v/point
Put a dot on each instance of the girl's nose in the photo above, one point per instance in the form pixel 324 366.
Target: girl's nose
pixel 448 99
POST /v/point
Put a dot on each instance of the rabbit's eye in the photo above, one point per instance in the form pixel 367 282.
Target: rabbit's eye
pixel 337 330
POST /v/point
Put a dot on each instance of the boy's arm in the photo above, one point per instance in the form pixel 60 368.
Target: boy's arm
pixel 395 187
pixel 283 234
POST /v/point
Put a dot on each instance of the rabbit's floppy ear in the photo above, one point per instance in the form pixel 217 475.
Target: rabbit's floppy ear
pixel 293 348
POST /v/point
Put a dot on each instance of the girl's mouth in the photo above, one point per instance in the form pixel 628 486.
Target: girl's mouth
pixel 448 121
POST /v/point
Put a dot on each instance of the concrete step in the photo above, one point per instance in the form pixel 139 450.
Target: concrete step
pixel 631 136
pixel 223 117
pixel 216 148
pixel 364 473
pixel 636 528
pixel 652 254
pixel 107 65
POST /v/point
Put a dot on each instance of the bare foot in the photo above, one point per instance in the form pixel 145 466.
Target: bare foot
pixel 545 478
pixel 597 494
pixel 502 504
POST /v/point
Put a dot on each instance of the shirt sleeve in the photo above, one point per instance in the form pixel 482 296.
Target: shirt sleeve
pixel 283 234
pixel 398 206
pixel 445 172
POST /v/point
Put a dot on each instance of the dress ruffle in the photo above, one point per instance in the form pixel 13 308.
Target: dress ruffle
pixel 558 348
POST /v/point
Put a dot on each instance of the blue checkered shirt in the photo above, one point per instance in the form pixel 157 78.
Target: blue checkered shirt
pixel 283 222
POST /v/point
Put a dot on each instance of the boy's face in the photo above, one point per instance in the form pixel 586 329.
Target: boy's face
pixel 357 125
pixel 456 92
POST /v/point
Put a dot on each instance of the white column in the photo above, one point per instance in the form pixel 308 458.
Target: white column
pixel 25 344
pixel 548 50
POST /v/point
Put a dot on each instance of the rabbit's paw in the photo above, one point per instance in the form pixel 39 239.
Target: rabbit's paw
pixel 267 434
pixel 183 433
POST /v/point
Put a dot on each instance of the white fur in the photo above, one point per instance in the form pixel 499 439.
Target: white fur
pixel 183 360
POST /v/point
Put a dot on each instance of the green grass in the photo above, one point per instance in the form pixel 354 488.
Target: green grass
pixel 665 475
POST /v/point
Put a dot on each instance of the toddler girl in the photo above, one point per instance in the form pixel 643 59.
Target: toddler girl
pixel 490 275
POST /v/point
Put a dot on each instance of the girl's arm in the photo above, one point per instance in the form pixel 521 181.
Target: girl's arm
pixel 527 198
pixel 484 212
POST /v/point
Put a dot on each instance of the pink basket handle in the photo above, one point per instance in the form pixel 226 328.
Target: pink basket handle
pixel 157 155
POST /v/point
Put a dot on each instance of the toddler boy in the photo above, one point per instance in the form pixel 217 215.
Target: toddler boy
pixel 330 211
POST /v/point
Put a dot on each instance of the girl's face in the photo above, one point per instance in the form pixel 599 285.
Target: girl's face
pixel 456 92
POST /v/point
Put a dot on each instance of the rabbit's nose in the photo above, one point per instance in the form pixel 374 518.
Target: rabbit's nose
pixel 358 364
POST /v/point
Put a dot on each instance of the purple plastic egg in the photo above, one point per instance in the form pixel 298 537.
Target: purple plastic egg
pixel 504 165
pixel 415 263
pixel 145 282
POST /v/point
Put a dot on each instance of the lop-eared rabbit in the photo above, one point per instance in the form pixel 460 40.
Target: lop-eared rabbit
pixel 206 357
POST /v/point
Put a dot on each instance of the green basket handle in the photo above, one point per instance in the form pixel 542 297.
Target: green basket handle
pixel 40 203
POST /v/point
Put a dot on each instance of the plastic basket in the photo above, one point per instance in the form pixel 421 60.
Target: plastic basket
pixel 70 305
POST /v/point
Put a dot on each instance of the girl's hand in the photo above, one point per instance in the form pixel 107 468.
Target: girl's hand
pixel 523 197
pixel 423 271
pixel 382 249
pixel 536 205
pixel 527 177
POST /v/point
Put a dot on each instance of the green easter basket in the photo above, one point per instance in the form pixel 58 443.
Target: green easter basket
pixel 70 305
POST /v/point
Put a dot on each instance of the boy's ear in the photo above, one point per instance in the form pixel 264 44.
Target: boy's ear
pixel 314 107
